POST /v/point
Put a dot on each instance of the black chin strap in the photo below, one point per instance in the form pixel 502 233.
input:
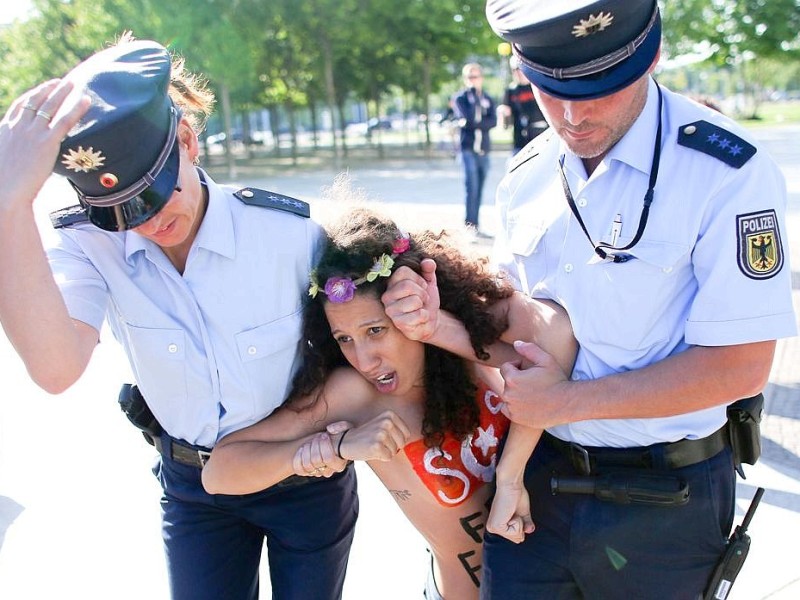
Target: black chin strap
pixel 602 247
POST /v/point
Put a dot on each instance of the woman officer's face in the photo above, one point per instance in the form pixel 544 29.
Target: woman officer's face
pixel 177 223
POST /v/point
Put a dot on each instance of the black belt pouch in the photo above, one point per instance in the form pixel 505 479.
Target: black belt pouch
pixel 744 427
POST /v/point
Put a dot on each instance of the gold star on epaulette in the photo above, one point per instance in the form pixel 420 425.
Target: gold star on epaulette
pixel 83 160
pixel 593 24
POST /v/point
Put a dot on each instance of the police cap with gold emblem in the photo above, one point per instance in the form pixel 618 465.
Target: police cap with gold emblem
pixel 122 157
pixel 579 49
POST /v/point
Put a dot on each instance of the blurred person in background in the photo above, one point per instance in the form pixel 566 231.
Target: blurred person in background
pixel 475 112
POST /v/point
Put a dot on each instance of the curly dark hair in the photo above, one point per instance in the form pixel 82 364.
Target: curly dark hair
pixel 467 289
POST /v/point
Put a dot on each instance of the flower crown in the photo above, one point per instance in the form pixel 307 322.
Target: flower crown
pixel 342 289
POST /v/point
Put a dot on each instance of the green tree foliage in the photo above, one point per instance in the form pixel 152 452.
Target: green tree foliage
pixel 277 54
pixel 733 30
pixel 743 36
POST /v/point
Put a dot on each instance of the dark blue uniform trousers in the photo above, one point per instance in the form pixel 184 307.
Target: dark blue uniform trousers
pixel 592 549
pixel 213 542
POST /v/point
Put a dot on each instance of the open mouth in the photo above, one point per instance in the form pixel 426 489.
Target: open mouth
pixel 386 383
pixel 386 378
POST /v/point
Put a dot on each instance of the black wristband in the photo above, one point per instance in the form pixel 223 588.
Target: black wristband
pixel 339 445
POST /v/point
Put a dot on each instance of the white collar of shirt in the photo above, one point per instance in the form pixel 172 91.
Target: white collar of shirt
pixel 215 233
pixel 636 146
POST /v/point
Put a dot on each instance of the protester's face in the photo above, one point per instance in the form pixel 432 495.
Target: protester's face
pixel 374 346
pixel 591 127
pixel 177 222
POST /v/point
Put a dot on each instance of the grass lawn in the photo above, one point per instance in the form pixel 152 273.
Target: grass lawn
pixel 775 113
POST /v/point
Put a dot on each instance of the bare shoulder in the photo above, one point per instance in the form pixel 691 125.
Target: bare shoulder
pixel 554 333
pixel 550 314
pixel 347 394
pixel 530 318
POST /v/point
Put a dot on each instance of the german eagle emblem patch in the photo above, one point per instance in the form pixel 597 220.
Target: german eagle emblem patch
pixel 760 250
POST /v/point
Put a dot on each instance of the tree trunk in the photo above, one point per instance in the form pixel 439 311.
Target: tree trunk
pixel 225 96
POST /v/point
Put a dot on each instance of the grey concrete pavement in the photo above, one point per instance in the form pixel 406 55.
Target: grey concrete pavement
pixel 79 509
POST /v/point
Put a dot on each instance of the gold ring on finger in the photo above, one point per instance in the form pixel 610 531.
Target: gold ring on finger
pixel 29 106
pixel 44 114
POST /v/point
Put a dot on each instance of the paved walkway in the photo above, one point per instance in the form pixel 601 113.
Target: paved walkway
pixel 79 509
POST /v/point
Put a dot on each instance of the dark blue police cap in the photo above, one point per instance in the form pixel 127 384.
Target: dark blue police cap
pixel 579 49
pixel 121 157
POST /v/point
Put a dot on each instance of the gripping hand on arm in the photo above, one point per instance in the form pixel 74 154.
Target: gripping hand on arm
pixel 320 455
pixel 528 385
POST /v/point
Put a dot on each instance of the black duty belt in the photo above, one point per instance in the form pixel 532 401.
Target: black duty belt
pixel 180 451
pixel 197 456
pixel 674 455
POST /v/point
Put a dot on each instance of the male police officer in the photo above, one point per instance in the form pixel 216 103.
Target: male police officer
pixel 642 213
pixel 658 225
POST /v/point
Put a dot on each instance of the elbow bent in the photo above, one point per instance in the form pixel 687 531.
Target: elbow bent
pixel 53 383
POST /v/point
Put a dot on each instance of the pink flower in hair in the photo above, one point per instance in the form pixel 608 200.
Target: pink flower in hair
pixel 401 245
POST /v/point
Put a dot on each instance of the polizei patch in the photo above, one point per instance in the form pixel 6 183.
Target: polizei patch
pixel 760 251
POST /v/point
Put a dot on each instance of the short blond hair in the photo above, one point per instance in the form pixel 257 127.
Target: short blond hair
pixel 467 68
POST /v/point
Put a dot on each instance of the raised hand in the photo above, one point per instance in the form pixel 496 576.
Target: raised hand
pixel 412 301
pixel 30 136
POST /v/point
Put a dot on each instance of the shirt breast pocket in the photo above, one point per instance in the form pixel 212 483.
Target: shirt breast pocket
pixel 530 257
pixel 158 357
pixel 269 354
pixel 635 305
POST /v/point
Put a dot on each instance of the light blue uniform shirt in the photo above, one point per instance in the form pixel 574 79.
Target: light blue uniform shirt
pixel 683 285
pixel 213 350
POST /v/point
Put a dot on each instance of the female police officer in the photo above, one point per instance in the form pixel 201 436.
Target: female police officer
pixel 202 287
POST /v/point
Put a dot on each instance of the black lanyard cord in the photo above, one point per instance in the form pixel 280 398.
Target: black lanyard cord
pixel 600 248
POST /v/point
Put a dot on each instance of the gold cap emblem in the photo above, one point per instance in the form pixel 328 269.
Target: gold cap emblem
pixel 83 160
pixel 594 24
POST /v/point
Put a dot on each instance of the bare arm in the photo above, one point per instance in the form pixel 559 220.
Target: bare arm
pixel 548 325
pixel 257 457
pixel 290 442
pixel 54 347
pixel 412 302
pixel 701 377
pixel 261 455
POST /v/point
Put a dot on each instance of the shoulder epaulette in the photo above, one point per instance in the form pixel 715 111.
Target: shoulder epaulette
pixel 265 199
pixel 65 217
pixel 530 150
pixel 717 142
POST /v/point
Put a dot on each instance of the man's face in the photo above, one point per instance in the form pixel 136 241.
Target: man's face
pixel 474 79
pixel 590 128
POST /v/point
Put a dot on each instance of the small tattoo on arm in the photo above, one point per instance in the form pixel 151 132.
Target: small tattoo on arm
pixel 473 529
pixel 400 495
pixel 470 569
